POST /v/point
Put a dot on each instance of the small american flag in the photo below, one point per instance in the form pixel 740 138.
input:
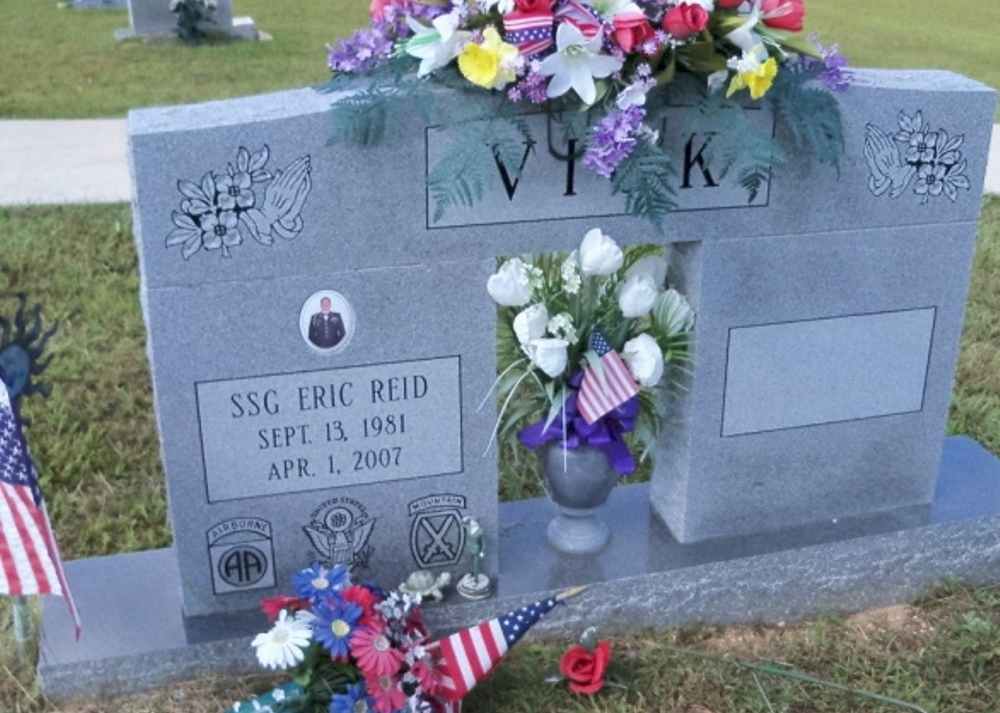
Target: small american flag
pixel 604 391
pixel 29 555
pixel 470 655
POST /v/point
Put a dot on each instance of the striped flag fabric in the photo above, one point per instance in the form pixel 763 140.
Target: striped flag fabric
pixel 471 654
pixel 601 391
pixel 530 32
pixel 580 15
pixel 29 555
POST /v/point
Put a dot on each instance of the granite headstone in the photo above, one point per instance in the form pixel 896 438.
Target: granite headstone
pixel 154 18
pixel 319 345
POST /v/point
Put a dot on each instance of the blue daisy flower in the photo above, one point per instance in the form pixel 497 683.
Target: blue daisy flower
pixel 334 623
pixel 318 581
pixel 354 700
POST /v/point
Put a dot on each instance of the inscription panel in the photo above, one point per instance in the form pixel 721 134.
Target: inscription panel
pixel 820 371
pixel 288 433
pixel 555 184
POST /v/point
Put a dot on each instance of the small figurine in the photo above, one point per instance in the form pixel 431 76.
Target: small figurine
pixel 474 585
pixel 425 585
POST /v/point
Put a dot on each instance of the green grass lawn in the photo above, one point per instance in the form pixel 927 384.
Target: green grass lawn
pixel 64 63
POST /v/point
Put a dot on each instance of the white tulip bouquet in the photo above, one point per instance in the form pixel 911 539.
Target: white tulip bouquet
pixel 599 314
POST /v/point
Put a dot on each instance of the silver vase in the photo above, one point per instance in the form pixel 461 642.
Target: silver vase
pixel 579 481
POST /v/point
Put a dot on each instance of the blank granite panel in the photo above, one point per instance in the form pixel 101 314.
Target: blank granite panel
pixel 819 371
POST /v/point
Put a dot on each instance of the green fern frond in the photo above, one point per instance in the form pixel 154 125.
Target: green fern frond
pixel 645 179
pixel 511 143
pixel 743 149
pixel 811 112
pixel 465 171
pixel 390 100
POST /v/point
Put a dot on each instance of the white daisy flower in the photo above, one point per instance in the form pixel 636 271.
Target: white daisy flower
pixel 284 645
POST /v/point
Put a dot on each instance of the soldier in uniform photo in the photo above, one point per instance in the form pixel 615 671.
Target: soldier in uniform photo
pixel 326 328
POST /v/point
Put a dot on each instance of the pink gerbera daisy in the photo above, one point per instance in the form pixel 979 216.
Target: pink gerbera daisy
pixel 426 673
pixel 387 693
pixel 375 653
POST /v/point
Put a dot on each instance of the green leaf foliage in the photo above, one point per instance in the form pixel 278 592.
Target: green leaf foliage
pixel 743 152
pixel 809 110
pixel 468 168
pixel 645 179
pixel 366 114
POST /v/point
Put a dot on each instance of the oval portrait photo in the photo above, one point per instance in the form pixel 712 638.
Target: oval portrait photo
pixel 326 322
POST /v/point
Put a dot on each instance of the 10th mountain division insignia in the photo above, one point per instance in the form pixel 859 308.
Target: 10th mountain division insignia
pixel 437 537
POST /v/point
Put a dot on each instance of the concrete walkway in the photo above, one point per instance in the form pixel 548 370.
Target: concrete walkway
pixel 84 161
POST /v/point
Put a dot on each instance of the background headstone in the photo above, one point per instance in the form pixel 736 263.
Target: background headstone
pixel 153 18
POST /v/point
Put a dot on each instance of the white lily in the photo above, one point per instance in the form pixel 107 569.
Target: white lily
pixel 437 45
pixel 746 39
pixel 575 63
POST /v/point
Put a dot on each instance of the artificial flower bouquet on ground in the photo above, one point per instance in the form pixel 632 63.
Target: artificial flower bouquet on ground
pixel 349 647
pixel 355 648
pixel 592 65
pixel 596 332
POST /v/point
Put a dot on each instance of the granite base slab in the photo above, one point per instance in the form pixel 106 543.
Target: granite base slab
pixel 135 636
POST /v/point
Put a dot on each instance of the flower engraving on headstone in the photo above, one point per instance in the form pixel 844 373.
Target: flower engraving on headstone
pixel 226 207
pixel 930 160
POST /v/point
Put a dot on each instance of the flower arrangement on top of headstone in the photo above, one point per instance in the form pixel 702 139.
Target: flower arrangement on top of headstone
pixel 599 69
pixel 192 17
pixel 356 647
pixel 596 331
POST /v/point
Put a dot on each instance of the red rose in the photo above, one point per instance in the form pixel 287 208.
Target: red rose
pixel 685 20
pixel 534 7
pixel 784 14
pixel 632 31
pixel 585 670
pixel 728 3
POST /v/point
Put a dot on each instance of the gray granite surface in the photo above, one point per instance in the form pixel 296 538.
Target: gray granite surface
pixel 829 310
pixel 136 637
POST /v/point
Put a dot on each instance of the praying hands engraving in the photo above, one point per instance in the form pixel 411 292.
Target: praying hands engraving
pixel 224 209
pixel 916 152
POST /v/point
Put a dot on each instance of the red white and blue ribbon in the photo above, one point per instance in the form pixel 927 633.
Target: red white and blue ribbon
pixel 581 16
pixel 533 31
pixel 530 32
pixel 570 428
